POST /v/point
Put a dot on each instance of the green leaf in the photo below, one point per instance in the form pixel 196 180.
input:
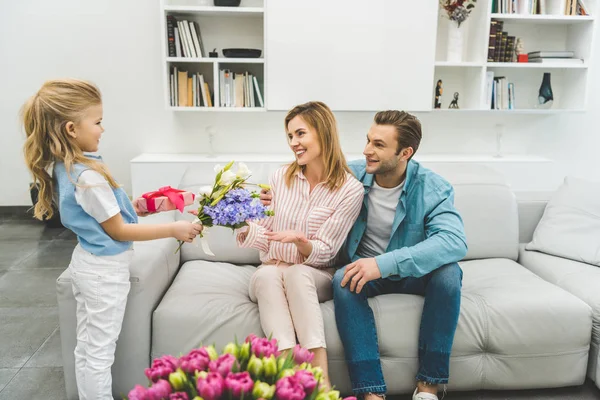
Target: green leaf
pixel 228 166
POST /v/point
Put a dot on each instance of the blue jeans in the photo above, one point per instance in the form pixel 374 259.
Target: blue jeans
pixel 356 325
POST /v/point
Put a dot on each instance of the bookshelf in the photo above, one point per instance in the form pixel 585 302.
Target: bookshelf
pixel 552 31
pixel 282 36
pixel 214 28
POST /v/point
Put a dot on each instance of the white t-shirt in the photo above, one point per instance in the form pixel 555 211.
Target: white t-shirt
pixel 382 210
pixel 94 194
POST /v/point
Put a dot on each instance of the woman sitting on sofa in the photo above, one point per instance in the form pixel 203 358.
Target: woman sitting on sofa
pixel 316 200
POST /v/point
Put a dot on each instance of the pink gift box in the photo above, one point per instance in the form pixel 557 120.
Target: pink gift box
pixel 165 199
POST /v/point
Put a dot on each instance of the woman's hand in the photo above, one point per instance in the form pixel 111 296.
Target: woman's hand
pixel 302 243
pixel 290 236
pixel 266 197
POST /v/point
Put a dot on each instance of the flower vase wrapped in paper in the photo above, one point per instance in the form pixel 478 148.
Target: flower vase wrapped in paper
pixel 228 202
pixel 253 370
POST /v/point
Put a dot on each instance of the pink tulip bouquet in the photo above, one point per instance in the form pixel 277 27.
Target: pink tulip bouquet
pixel 254 370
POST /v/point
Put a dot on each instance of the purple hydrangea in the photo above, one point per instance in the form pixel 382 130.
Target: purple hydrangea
pixel 235 209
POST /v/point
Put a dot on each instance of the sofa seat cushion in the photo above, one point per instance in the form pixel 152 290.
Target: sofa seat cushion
pixel 580 279
pixel 513 327
pixel 208 303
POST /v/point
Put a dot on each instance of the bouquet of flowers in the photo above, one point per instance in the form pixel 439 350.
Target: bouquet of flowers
pixel 458 10
pixel 227 202
pixel 254 370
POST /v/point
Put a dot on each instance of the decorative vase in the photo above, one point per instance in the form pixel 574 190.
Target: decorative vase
pixel 545 95
pixel 456 39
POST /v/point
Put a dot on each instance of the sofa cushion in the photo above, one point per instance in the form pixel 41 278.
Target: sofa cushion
pixel 208 303
pixel 489 234
pixel 570 226
pixel 514 327
pixel 580 279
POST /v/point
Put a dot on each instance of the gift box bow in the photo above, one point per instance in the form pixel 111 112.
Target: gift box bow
pixel 174 195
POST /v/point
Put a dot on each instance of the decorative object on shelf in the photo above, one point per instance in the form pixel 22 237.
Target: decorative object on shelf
pixel 456 11
pixel 227 3
pixel 438 94
pixel 454 102
pixel 545 96
pixel 242 53
pixel 520 51
pixel 213 54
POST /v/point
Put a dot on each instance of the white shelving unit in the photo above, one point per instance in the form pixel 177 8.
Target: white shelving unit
pixel 246 27
pixel 552 32
pixel 220 28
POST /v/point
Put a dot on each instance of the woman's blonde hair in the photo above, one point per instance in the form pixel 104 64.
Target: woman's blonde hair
pixel 320 118
pixel 45 116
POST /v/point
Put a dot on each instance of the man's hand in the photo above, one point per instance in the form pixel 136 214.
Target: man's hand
pixel 266 197
pixel 360 272
pixel 295 237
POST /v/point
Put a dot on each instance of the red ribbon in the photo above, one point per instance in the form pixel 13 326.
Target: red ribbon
pixel 174 195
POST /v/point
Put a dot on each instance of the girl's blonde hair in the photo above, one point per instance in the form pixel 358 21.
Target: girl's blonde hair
pixel 45 116
pixel 320 118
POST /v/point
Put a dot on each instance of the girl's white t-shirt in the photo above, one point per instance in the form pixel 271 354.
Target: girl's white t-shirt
pixel 94 194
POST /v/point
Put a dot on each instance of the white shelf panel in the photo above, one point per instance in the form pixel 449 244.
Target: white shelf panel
pixel 544 19
pixel 217 11
pixel 218 109
pixel 465 64
pixel 515 111
pixel 536 65
pixel 437 158
pixel 217 60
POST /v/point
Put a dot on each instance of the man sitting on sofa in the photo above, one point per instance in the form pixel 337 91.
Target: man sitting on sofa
pixel 407 239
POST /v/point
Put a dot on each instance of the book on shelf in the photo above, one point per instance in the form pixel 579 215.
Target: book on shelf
pixel 527 7
pixel 184 38
pixel 188 91
pixel 500 93
pixel 238 89
pixel 540 7
pixel 492 40
pixel 554 57
pixel 556 61
pixel 551 54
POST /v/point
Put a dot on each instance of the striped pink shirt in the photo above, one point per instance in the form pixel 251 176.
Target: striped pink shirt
pixel 324 216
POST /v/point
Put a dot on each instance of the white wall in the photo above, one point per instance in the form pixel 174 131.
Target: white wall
pixel 116 44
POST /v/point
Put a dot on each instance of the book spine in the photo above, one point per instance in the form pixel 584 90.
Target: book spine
pixel 171 35
pixel 492 41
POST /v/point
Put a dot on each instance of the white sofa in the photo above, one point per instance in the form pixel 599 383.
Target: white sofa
pixel 577 277
pixel 516 330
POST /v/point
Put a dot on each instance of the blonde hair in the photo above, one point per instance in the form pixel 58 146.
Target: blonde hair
pixel 320 118
pixel 45 116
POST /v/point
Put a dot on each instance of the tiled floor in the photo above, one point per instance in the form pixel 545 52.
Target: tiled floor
pixel 32 256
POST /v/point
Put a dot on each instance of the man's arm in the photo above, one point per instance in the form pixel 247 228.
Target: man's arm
pixel 445 243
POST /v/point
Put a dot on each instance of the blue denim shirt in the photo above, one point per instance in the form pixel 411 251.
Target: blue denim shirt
pixel 427 231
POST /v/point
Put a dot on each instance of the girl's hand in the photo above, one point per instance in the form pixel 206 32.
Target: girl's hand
pixel 290 236
pixel 185 230
pixel 137 208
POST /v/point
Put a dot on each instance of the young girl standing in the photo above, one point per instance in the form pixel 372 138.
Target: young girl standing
pixel 63 120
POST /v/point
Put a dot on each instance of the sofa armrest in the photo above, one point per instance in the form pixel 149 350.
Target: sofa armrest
pixel 153 269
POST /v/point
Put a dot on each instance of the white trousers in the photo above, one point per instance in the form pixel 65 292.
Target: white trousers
pixel 100 286
pixel 288 298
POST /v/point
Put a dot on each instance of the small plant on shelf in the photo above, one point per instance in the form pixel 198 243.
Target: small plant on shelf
pixel 458 10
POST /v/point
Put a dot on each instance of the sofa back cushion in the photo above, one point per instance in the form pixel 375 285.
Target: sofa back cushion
pixel 488 208
pixel 570 226
pixel 482 197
